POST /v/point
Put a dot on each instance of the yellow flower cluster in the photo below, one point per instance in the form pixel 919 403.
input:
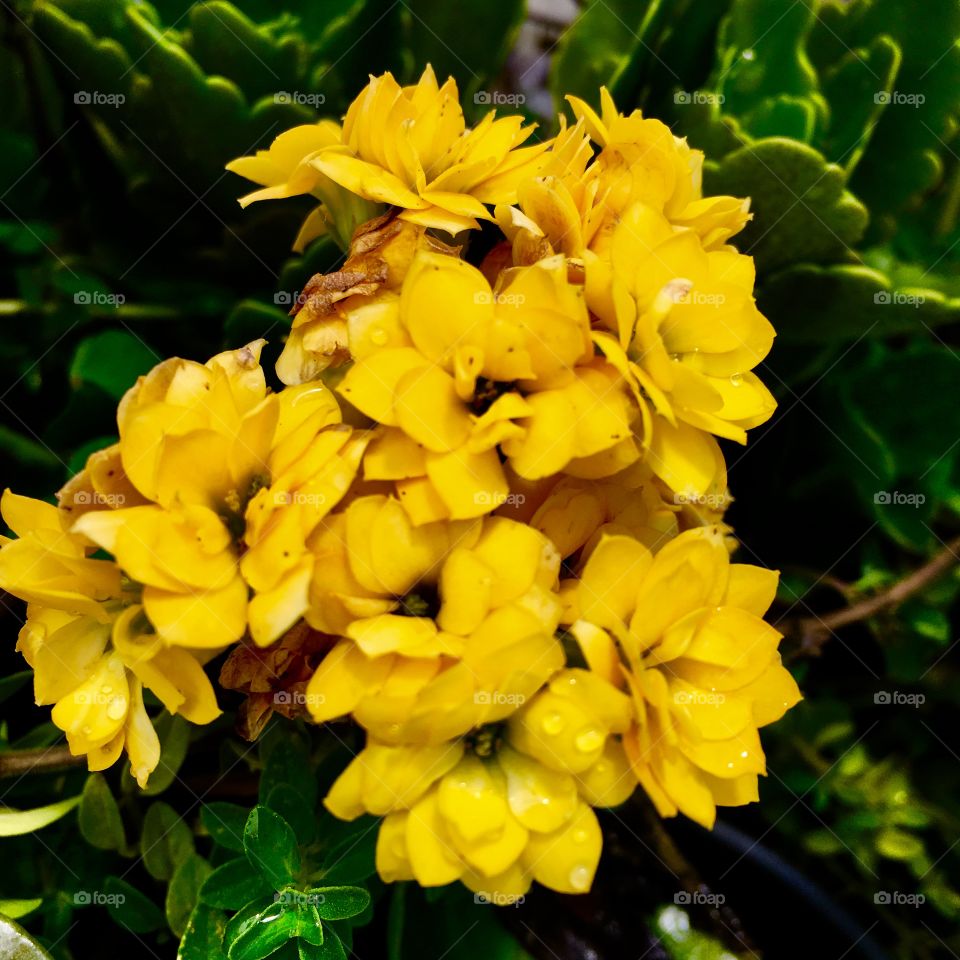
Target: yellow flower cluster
pixel 491 484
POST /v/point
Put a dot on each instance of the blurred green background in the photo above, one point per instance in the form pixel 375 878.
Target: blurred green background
pixel 122 243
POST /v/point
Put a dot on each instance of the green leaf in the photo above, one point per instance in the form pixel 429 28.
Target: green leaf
pixel 112 360
pixel 599 48
pixel 330 949
pixel 264 932
pixel 233 885
pixel 225 822
pixel 898 845
pixel 15 909
pixel 352 859
pixel 286 760
pixel 11 684
pixel 203 936
pixel 130 908
pixel 473 56
pixel 340 903
pixel 17 944
pixel 166 841
pixel 99 820
pixel 289 803
pixel 271 846
pixel 184 890
pixel 174 734
pixel 801 209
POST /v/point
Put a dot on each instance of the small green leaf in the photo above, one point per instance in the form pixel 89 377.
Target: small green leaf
pixel 10 685
pixel 233 885
pixel 286 760
pixel 330 949
pixel 203 936
pixel 15 823
pixel 271 846
pixel 130 908
pixel 898 845
pixel 166 841
pixel 100 822
pixel 184 890
pixel 289 803
pixel 174 734
pixel 112 360
pixel 225 822
pixel 352 859
pixel 271 929
pixel 14 909
pixel 340 903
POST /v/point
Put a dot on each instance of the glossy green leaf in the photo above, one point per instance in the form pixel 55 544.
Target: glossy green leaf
pixel 174 733
pixel 271 846
pixel 99 818
pixel 15 909
pixel 14 823
pixel 112 360
pixel 203 937
pixel 184 891
pixel 166 841
pixel 225 822
pixel 340 903
pixel 234 884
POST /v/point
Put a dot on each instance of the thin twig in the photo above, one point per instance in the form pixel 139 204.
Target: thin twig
pixel 813 632
pixel 19 763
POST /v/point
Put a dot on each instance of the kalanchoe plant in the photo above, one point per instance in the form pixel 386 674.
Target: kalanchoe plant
pixel 441 528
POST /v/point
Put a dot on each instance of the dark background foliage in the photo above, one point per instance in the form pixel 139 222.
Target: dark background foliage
pixel 122 243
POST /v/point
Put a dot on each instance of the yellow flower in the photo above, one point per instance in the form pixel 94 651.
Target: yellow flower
pixel 466 372
pixel 222 469
pixel 504 805
pixel 685 333
pixel 338 308
pixel 683 631
pixel 407 147
pixel 640 160
pixel 445 625
pixel 90 644
pixel 285 169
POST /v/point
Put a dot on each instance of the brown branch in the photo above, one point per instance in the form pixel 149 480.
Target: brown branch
pixel 20 763
pixel 813 632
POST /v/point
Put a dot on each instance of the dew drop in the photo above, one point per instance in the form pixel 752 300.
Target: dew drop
pixel 580 836
pixel 748 54
pixel 744 754
pixel 106 688
pixel 379 336
pixel 580 878
pixel 736 380
pixel 552 724
pixel 589 740
pixel 117 709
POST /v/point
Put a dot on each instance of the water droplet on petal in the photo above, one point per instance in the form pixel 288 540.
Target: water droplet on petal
pixel 580 878
pixel 589 740
pixel 106 688
pixel 552 724
pixel 744 754
pixel 580 836
pixel 736 380
pixel 379 336
pixel 117 709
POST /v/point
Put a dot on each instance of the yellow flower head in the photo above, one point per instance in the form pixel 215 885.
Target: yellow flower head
pixel 445 625
pixel 683 632
pixel 407 147
pixel 504 805
pixel 90 645
pixel 221 468
pixel 459 373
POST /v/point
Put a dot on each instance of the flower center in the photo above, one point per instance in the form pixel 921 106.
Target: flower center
pixel 422 601
pixel 484 741
pixel 486 392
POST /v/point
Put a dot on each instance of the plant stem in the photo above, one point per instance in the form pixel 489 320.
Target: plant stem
pixel 813 632
pixel 20 763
